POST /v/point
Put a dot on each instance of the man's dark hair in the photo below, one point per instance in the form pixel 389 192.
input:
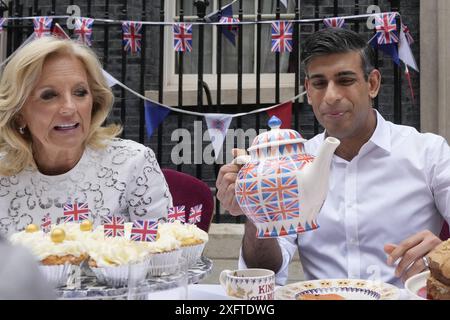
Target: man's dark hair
pixel 338 40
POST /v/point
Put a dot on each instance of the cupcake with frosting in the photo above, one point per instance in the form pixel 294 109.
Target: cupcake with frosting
pixel 111 260
pixel 192 239
pixel 55 253
pixel 165 254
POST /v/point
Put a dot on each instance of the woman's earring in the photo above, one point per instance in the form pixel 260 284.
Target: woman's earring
pixel 22 130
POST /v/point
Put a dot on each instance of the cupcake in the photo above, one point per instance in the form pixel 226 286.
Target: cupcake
pixel 55 253
pixel 111 260
pixel 192 239
pixel 165 254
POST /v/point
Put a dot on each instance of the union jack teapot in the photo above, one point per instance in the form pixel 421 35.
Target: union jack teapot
pixel 280 187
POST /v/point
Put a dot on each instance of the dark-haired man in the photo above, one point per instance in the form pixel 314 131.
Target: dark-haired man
pixel 389 188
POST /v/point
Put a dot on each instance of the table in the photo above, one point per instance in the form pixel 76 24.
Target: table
pixel 216 292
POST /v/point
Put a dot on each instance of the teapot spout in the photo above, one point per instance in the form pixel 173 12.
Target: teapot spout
pixel 316 176
pixel 320 168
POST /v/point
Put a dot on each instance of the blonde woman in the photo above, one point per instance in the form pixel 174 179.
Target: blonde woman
pixel 54 150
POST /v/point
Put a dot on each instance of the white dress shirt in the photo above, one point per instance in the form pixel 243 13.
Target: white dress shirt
pixel 397 185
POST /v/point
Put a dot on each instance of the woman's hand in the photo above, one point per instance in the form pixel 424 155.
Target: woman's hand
pixel 411 252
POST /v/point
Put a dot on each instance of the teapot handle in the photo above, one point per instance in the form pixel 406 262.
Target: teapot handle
pixel 241 160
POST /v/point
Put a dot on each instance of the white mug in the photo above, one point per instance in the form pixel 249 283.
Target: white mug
pixel 249 284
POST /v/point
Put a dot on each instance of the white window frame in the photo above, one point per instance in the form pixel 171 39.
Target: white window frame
pixel 228 81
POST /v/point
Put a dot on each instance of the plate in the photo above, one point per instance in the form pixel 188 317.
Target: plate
pixel 416 285
pixel 349 289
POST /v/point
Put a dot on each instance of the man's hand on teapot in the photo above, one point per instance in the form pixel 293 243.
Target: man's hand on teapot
pixel 226 182
pixel 411 253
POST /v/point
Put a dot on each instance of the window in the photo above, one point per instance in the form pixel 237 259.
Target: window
pixel 229 58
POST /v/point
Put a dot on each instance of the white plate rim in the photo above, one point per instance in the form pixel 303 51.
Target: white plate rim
pixel 385 290
pixel 419 279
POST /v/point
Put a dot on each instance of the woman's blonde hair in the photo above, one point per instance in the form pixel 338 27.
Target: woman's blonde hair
pixel 18 80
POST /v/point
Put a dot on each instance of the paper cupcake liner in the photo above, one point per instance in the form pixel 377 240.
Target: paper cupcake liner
pixel 193 253
pixel 119 276
pixel 56 275
pixel 164 263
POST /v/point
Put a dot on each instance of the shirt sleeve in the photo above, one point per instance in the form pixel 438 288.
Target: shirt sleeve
pixel 288 247
pixel 439 161
pixel 148 195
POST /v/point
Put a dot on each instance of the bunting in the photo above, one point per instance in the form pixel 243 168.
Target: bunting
pixel 336 22
pixel 218 124
pixel 281 36
pixel 154 115
pixel 42 26
pixel 83 30
pixel 182 37
pixel 386 28
pixel 230 30
pixel 132 36
pixel 284 113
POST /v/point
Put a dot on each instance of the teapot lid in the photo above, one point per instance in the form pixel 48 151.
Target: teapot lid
pixel 276 136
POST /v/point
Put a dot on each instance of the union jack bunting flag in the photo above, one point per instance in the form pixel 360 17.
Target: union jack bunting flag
pixel 177 213
pixel 132 36
pixel 195 214
pixel 230 31
pixel 46 223
pixel 113 226
pixel 83 30
pixel 75 212
pixel 42 26
pixel 182 37
pixel 2 23
pixel 385 25
pixel 144 230
pixel 281 36
pixel 407 33
pixel 334 22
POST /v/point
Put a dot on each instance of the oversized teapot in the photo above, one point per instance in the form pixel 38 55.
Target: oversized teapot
pixel 280 187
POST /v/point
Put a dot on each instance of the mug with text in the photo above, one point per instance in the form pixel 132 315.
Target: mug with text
pixel 249 284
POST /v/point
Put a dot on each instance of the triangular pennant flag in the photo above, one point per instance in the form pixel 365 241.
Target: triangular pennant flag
pixel 405 53
pixel 110 79
pixel 389 49
pixel 284 113
pixel 283 231
pixel 59 32
pixel 218 125
pixel 154 115
pixel 300 229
